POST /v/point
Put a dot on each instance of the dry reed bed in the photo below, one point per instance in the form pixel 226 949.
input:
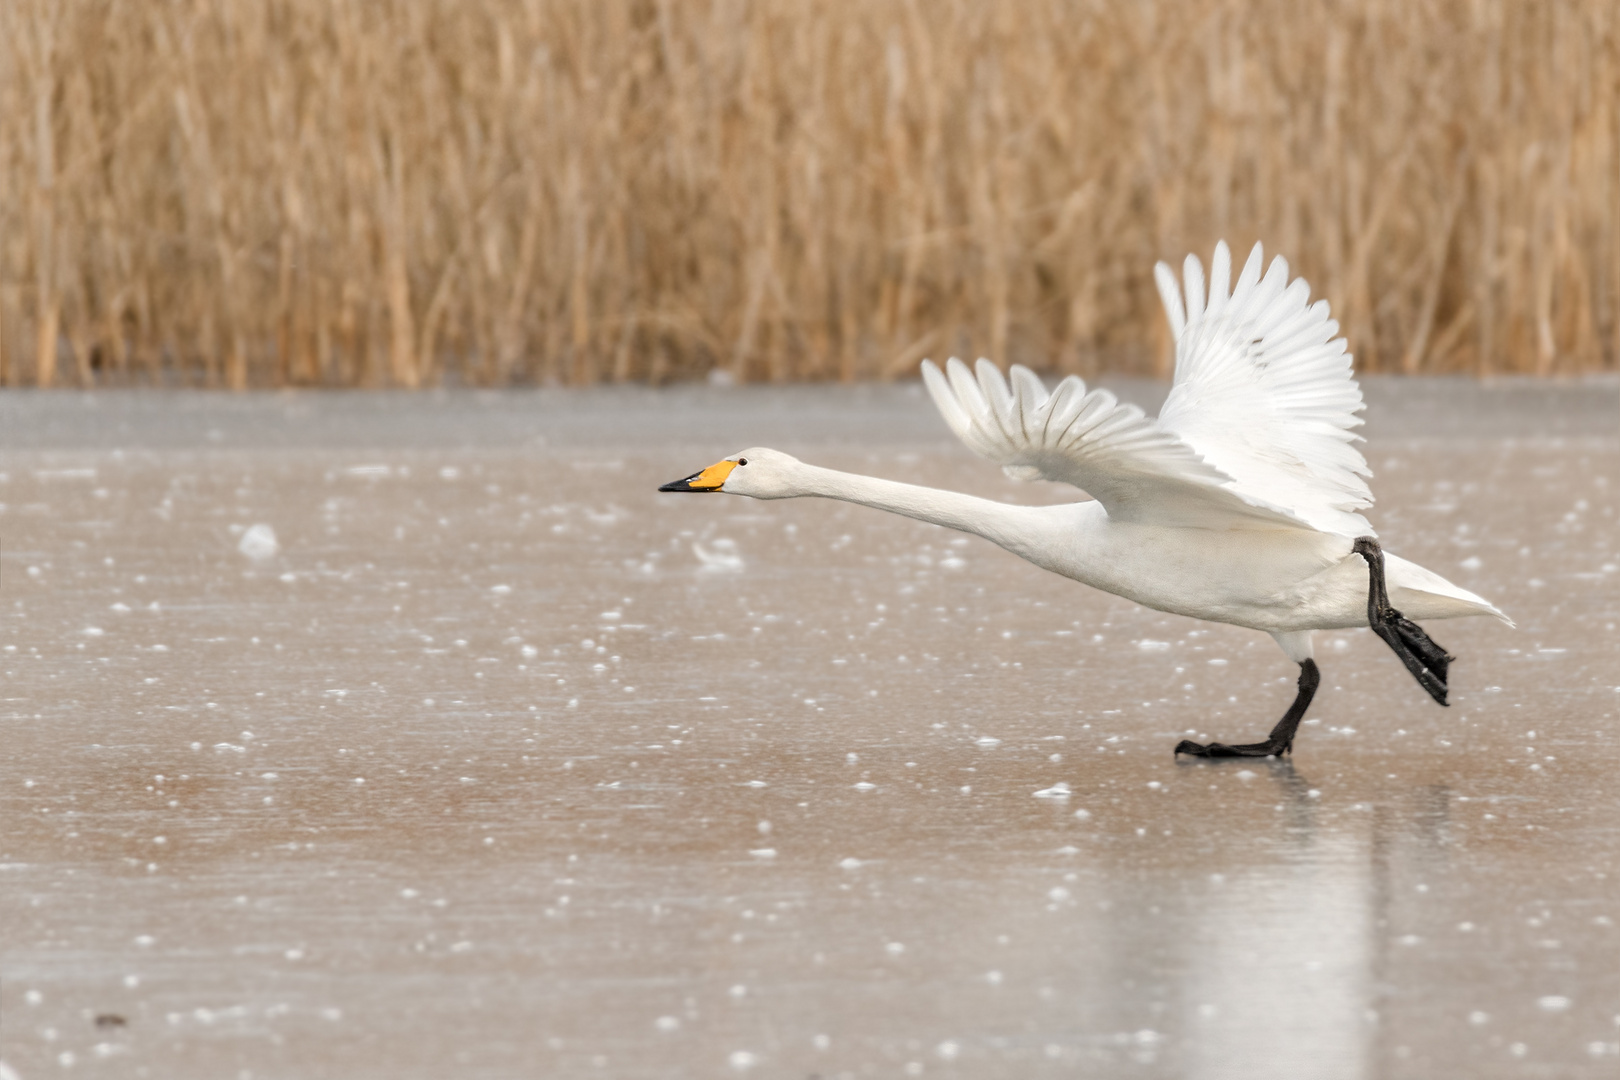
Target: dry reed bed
pixel 400 192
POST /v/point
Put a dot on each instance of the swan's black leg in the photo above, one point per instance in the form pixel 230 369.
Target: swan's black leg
pixel 1281 739
pixel 1426 660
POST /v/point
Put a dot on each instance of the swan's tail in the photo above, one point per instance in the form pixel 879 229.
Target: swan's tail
pixel 1424 594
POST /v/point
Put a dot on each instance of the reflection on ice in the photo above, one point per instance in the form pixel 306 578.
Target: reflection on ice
pixel 1280 965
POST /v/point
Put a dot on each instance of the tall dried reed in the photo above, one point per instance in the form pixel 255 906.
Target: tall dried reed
pixel 490 192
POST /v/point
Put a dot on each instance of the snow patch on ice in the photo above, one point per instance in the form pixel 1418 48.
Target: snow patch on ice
pixel 720 557
pixel 259 542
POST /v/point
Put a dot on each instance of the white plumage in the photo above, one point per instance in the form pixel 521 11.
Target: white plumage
pixel 1241 503
pixel 1264 392
pixel 1257 431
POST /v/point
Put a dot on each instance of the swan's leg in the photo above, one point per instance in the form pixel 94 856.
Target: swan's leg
pixel 1426 660
pixel 1281 739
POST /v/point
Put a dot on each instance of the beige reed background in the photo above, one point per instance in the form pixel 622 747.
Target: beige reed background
pixel 493 192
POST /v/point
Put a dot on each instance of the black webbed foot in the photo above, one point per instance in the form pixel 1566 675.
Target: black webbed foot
pixel 1434 657
pixel 1423 656
pixel 1221 750
pixel 1281 739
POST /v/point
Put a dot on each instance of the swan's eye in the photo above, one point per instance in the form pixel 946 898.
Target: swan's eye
pixel 742 461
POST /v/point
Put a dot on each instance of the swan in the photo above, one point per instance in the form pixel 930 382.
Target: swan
pixel 1240 503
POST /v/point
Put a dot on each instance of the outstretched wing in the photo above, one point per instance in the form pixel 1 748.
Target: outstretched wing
pixel 1264 391
pixel 1139 471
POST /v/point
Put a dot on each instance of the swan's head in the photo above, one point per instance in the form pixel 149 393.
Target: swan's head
pixel 757 473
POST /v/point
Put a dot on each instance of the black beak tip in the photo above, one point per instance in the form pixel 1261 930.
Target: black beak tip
pixel 685 484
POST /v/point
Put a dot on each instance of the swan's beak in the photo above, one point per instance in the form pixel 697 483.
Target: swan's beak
pixel 709 479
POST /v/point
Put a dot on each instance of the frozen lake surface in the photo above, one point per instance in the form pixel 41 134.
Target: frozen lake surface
pixel 366 736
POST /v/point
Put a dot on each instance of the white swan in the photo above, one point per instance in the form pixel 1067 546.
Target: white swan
pixel 1241 503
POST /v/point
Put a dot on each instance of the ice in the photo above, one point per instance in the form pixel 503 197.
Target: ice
pixel 631 883
pixel 720 556
pixel 259 543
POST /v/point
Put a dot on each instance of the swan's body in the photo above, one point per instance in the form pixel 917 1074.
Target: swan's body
pixel 1277 580
pixel 1239 504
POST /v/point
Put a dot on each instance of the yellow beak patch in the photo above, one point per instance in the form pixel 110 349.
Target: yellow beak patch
pixel 709 479
pixel 713 476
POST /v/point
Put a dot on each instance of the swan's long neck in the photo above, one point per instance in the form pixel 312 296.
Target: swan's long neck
pixel 1012 527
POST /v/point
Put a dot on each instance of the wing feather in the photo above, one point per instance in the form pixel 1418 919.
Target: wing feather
pixel 1264 391
pixel 1112 451
pixel 1258 430
pixel 1171 295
